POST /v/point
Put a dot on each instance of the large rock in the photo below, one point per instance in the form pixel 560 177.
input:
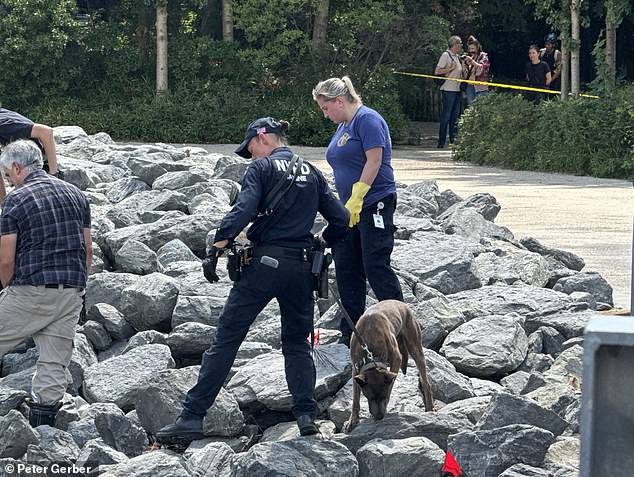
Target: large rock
pixel 148 303
pixel 433 426
pixel 160 402
pixel 118 379
pixel 592 283
pixel 506 409
pixel 15 435
pixel 261 383
pixel 468 223
pixel 399 457
pixel 485 204
pixel 443 262
pixel 159 463
pixel 310 457
pixel 487 346
pixel 568 259
pixel 489 453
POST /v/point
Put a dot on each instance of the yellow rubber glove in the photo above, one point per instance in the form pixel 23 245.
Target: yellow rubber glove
pixel 355 202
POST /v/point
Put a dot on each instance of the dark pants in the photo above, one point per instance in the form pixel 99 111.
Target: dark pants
pixel 449 117
pixel 365 253
pixel 291 284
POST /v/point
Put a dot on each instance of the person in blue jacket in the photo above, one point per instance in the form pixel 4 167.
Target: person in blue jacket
pixel 280 267
pixel 360 155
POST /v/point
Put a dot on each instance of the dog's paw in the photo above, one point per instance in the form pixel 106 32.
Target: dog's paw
pixel 349 425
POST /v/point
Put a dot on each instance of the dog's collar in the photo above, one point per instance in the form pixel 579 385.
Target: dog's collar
pixel 370 363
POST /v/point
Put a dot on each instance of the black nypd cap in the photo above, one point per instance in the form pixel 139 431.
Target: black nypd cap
pixel 262 125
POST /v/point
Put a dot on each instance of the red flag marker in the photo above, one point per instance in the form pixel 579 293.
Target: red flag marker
pixel 451 465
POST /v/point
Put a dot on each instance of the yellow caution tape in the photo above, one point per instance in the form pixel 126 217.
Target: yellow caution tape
pixel 488 83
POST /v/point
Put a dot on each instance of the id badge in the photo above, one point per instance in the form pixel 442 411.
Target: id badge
pixel 378 221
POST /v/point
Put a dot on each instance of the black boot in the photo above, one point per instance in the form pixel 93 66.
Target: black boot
pixel 187 428
pixel 43 414
pixel 306 424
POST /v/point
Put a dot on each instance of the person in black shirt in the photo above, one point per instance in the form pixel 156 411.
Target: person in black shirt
pixel 552 56
pixel 537 75
pixel 280 268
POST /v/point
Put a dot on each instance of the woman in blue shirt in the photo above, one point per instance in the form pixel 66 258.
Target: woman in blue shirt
pixel 360 155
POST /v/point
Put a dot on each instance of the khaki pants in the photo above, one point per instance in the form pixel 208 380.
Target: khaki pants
pixel 49 315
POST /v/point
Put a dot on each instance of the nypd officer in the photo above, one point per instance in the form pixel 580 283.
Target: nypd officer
pixel 279 268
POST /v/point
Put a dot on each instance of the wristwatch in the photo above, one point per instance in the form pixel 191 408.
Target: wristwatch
pixel 59 174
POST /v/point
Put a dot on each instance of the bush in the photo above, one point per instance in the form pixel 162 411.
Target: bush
pixel 582 136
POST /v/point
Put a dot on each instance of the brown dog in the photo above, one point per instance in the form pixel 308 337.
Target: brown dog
pixel 391 334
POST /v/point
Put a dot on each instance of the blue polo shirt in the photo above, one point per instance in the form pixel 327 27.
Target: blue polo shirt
pixel 13 126
pixel 346 155
pixel 49 217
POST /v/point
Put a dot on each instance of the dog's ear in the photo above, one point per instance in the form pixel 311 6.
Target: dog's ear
pixel 389 376
pixel 360 379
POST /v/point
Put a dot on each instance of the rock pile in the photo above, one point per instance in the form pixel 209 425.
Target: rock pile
pixel 502 323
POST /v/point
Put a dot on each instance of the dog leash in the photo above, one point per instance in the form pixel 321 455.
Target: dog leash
pixel 363 344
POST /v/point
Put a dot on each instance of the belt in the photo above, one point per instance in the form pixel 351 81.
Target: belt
pixel 60 285
pixel 303 254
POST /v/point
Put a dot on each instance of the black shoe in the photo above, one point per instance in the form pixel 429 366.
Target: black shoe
pixel 345 339
pixel 441 146
pixel 186 429
pixel 43 414
pixel 306 424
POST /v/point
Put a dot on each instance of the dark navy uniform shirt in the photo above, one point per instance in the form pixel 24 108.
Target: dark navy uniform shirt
pixel 13 126
pixel 290 223
pixel 49 217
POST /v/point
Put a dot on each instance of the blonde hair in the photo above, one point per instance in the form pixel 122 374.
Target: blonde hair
pixel 334 87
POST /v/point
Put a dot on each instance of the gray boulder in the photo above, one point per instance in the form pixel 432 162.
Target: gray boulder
pixel 489 453
pixel 160 402
pixel 118 379
pixel 121 433
pixel 124 187
pixel 506 409
pixel 444 262
pixel 310 457
pixel 434 426
pixel 190 340
pixel 136 257
pixel 487 346
pixel 568 259
pixel 97 451
pixel 112 320
pixel 261 383
pixel 447 384
pixel 159 463
pixel 175 251
pixel 468 223
pixel 399 457
pixel 148 303
pixel 15 435
pixel 589 282
pixel 485 204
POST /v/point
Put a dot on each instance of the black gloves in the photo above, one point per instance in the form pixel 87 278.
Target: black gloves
pixel 209 265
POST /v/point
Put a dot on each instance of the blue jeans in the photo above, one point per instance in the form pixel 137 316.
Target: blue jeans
pixel 449 116
pixel 365 254
pixel 472 94
pixel 291 284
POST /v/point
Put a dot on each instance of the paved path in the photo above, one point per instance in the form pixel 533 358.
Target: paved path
pixel 587 216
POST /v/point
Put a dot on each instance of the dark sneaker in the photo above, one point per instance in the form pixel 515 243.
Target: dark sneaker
pixel 182 432
pixel 307 426
pixel 345 339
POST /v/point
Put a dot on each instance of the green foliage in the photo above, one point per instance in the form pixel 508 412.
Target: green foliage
pixel 33 39
pixel 582 136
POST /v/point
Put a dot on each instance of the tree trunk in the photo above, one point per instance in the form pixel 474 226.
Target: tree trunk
pixel 610 51
pixel 161 50
pixel 320 26
pixel 227 20
pixel 575 78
